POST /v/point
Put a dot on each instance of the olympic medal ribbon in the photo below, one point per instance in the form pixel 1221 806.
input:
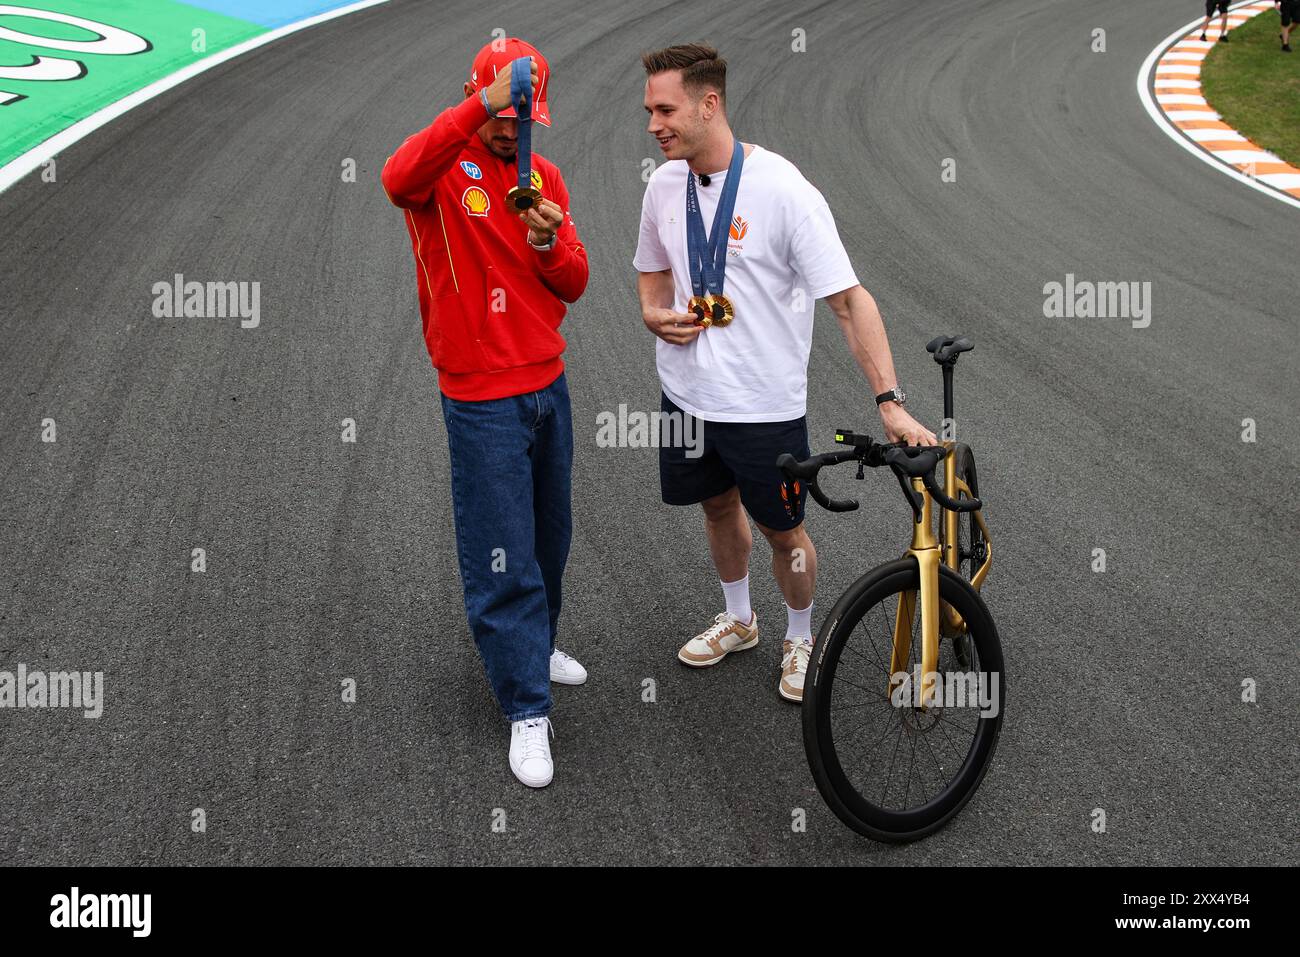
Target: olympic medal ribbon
pixel 707 255
pixel 524 195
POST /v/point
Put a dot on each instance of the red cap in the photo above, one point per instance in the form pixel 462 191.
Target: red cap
pixel 497 56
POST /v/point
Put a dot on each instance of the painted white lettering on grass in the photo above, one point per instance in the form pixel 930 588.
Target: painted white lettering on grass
pixel 108 41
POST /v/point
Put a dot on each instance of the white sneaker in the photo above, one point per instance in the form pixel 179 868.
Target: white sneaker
pixel 725 635
pixel 565 670
pixel 530 751
pixel 794 667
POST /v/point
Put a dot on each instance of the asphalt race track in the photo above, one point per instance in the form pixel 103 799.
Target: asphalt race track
pixel 330 561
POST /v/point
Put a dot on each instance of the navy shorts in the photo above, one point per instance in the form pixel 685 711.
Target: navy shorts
pixel 717 456
pixel 1211 4
pixel 1290 12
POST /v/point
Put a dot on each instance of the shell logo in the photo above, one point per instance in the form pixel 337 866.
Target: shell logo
pixel 738 228
pixel 536 179
pixel 475 201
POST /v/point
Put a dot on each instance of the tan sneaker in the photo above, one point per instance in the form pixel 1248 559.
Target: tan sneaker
pixel 724 636
pixel 794 666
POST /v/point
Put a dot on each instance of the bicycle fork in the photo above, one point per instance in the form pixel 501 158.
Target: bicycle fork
pixel 925 549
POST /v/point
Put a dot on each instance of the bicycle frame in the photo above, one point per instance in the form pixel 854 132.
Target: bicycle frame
pixel 929 553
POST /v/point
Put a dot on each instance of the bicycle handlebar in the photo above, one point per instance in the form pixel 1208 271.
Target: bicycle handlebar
pixel 914 461
pixel 952 504
pixel 919 461
pixel 793 470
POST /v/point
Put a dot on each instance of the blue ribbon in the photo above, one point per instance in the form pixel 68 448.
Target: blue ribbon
pixel 521 91
pixel 708 255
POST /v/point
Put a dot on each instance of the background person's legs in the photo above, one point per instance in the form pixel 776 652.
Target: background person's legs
pixel 1210 7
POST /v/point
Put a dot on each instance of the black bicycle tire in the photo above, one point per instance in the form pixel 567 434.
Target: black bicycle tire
pixel 849 806
pixel 964 466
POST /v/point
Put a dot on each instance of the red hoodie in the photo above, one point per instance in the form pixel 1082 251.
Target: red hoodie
pixel 491 303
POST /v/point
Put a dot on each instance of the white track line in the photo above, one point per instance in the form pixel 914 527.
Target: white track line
pixel 1221 135
pixel 20 166
pixel 1187 51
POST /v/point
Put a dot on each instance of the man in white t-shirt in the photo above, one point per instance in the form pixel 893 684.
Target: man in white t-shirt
pixel 746 382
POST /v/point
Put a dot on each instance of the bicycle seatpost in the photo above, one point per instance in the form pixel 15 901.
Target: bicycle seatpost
pixel 947 391
pixel 946 350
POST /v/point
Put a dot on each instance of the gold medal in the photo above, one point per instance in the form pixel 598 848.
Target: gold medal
pixel 521 198
pixel 701 307
pixel 720 309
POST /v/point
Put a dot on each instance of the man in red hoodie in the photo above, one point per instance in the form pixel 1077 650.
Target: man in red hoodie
pixel 493 284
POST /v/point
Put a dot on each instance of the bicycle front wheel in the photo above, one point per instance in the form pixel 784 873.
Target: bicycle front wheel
pixel 888 767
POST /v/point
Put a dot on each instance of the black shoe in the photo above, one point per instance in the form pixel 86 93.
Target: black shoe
pixel 1286 48
pixel 1223 39
pixel 1203 38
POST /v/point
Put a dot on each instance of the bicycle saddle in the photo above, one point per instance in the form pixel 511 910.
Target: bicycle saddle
pixel 948 348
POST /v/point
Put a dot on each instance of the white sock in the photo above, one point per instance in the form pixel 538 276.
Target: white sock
pixel 798 624
pixel 737 595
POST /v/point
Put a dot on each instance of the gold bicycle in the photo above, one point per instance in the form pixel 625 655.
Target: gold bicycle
pixel 906 686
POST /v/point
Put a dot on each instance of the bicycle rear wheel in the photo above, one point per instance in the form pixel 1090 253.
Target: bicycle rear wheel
pixel 970 538
pixel 887 768
pixel 971 545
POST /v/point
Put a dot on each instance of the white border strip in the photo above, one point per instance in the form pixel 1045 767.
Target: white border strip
pixel 20 166
pixel 1177 135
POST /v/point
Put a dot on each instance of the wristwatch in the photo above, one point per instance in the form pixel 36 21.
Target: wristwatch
pixel 893 395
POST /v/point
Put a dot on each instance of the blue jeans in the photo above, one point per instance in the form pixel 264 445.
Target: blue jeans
pixel 511 463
